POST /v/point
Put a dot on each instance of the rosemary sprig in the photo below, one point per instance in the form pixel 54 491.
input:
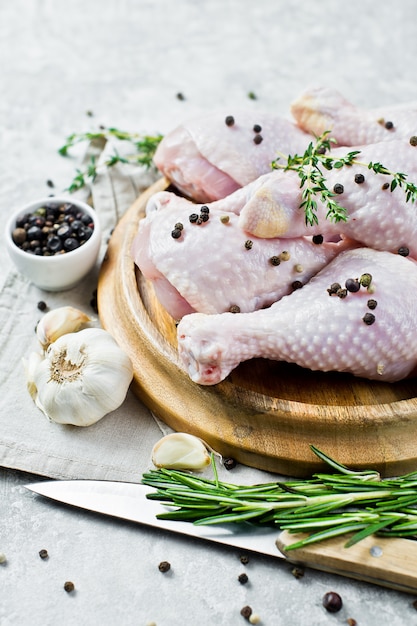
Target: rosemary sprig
pixel 309 167
pixel 327 505
pixel 144 146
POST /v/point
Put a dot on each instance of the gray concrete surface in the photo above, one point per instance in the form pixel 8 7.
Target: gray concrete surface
pixel 125 61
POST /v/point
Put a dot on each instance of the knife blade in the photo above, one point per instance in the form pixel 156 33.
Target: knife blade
pixel 386 562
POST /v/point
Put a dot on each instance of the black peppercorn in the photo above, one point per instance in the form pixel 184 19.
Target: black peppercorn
pixel 229 463
pixel 230 120
pixel 352 285
pixel 389 125
pixel 372 304
pixel 413 140
pixel 69 586
pixel 297 284
pixel 403 251
pixel 332 602
pixel 258 139
pixel 164 566
pixel 246 612
pixel 359 179
pixel 42 306
pixel 248 244
pixel 176 233
pixel 338 188
pixel 243 579
pixel 43 554
pixel 257 128
pixel 275 260
pixel 369 319
pixel 244 559
pixel 318 239
pixel 193 218
pixel 334 288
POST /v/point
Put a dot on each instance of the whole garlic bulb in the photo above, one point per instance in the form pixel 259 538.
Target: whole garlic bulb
pixel 84 376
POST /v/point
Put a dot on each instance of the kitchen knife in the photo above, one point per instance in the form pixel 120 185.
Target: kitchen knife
pixel 387 562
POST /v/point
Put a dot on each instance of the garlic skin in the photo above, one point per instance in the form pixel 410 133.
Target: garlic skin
pixel 180 451
pixel 84 376
pixel 58 322
pixel 31 364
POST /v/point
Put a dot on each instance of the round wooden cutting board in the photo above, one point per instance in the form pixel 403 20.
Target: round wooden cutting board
pixel 265 414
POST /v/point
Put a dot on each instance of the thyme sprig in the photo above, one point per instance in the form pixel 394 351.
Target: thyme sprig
pixel 310 168
pixel 144 149
pixel 327 505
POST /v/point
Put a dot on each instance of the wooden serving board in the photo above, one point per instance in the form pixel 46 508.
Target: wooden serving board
pixel 265 414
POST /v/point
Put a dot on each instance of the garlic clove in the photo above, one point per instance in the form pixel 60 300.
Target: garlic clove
pixel 180 451
pixel 58 322
pixel 30 364
pixel 84 376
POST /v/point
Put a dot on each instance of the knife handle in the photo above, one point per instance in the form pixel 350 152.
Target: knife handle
pixel 389 562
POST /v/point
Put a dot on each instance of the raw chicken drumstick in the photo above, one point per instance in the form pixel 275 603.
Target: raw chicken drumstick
pixel 319 109
pixel 376 216
pixel 211 266
pixel 371 332
pixel 210 157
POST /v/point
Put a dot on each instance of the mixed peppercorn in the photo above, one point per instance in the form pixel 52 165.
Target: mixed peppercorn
pixel 55 228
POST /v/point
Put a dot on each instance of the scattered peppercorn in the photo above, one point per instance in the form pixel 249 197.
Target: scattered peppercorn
pixel 248 244
pixel 297 284
pixel 369 319
pixel 180 96
pixel 275 260
pixel 403 251
pixel 243 579
pixel 413 140
pixel 352 285
pixel 230 120
pixel 332 602
pixel 3 558
pixel 225 219
pixel 257 128
pixel 389 125
pixel 334 288
pixel 351 622
pixel 234 309
pixel 69 586
pixel 193 218
pixel 342 293
pixel 42 306
pixel 179 226
pixel 246 612
pixel 258 139
pixel 228 462
pixel 318 239
pixel 254 619
pixel 298 268
pixel 164 566
pixel 43 554
pixel 372 304
pixel 204 209
pixel 385 186
pixel 366 279
pixel 338 188
pixel 244 559
pixel 252 95
pixel 297 572
pixel 50 183
pixel 176 233
pixel 285 256
pixel 359 179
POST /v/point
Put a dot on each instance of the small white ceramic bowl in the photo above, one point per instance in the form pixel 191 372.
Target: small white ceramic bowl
pixel 59 272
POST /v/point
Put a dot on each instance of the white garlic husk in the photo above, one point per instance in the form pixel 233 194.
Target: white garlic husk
pixel 84 376
pixel 58 322
pixel 180 451
pixel 31 364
